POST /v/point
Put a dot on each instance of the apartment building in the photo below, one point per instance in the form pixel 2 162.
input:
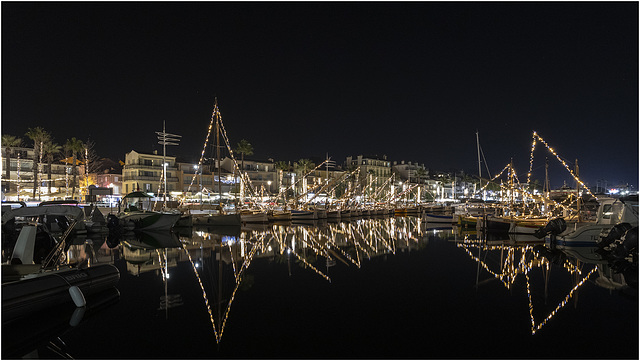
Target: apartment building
pixel 55 181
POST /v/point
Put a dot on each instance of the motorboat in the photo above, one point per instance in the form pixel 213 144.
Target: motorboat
pixel 611 211
pixel 93 222
pixel 37 275
pixel 145 219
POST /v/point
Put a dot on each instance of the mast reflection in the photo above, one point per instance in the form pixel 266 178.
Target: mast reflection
pixel 520 256
pixel 221 257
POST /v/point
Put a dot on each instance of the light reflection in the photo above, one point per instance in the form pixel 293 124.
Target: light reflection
pixel 522 258
pixel 220 261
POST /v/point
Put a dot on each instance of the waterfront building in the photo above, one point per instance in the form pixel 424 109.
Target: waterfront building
pixel 194 177
pixel 412 172
pixel 328 172
pixel 143 171
pixel 54 183
pixel 262 173
pixel 378 167
pixel 109 176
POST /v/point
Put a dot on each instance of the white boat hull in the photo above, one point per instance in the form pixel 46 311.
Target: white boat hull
pixel 436 218
pixel 216 219
pixel 150 220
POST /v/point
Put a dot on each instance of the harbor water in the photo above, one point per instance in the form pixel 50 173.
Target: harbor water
pixel 388 287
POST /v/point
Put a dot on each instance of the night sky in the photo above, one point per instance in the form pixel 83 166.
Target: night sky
pixel 413 81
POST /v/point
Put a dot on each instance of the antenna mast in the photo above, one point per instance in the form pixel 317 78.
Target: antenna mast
pixel 165 139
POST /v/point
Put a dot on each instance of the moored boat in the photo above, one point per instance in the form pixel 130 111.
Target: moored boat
pixel 322 213
pixel 526 226
pixel 467 221
pixel 333 214
pixel 251 216
pixel 298 214
pixel 438 218
pixel 279 215
pixel 215 218
pixel 146 219
pixel 610 213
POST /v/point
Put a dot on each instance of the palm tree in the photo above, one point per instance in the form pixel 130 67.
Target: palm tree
pixel 51 149
pixel 39 136
pixel 420 173
pixel 301 166
pixel 281 167
pixel 74 146
pixel 244 147
pixel 9 142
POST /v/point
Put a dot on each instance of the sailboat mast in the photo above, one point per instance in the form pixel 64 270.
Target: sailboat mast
pixel 218 156
pixel 479 166
pixel 547 187
pixel 164 162
pixel 577 171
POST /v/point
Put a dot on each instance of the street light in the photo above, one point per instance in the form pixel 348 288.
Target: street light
pixel 197 167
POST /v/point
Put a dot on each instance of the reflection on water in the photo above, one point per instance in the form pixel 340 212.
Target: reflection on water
pixel 217 260
pixel 520 258
pixel 225 256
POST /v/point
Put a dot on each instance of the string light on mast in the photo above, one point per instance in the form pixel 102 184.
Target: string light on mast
pixel 536 136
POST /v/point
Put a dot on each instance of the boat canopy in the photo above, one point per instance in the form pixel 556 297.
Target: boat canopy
pixel 54 210
pixel 137 194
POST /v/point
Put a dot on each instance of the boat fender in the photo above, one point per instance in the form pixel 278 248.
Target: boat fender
pixel 77 316
pixel 77 296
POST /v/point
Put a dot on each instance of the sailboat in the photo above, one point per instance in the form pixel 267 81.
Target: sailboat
pixel 216 217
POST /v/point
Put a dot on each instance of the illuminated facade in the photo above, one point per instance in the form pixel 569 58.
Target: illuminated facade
pixel 143 171
pixel 378 167
pixel 54 183
pixel 110 180
pixel 262 173
pixel 410 171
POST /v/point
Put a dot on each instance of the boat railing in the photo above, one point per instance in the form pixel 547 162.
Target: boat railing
pixel 58 251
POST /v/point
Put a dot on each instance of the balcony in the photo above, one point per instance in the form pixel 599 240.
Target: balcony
pixel 150 167
pixel 147 178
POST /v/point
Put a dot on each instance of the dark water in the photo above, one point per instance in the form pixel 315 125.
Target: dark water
pixel 368 289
